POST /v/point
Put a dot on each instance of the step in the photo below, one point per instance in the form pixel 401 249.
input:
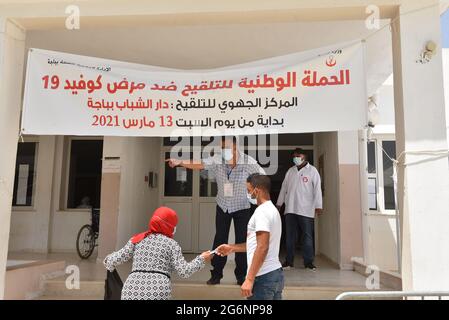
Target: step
pixel 23 281
pixel 94 290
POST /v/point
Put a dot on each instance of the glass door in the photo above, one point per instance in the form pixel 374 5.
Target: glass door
pixel 192 195
pixel 177 193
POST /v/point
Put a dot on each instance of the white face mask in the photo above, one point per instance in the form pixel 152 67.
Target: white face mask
pixel 174 231
pixel 298 161
pixel 227 154
pixel 251 199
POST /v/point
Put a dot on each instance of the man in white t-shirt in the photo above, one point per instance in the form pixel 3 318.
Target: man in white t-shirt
pixel 265 278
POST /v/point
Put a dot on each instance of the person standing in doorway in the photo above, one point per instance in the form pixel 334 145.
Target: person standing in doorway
pixel 265 278
pixel 231 169
pixel 301 193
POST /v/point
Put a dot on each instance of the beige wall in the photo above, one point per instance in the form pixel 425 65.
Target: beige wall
pixel 350 206
pixel 340 226
pixel 12 47
pixel 137 200
pixel 30 227
pixel 110 187
pixel 381 238
pixel 48 227
pixel 382 242
pixel 351 231
pixel 328 223
pixel 446 84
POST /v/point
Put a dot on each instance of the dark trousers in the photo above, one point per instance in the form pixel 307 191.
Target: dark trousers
pixel 293 224
pixel 222 226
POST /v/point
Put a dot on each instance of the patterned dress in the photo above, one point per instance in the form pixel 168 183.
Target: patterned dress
pixel 154 253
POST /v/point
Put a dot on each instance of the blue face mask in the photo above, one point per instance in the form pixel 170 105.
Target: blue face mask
pixel 298 161
pixel 251 199
pixel 227 154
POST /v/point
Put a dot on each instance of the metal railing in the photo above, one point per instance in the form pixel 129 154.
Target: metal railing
pixel 393 295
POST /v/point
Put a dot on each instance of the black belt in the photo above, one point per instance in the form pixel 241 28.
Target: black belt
pixel 150 271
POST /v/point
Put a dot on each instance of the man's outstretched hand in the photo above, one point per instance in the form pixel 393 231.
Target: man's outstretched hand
pixel 172 163
pixel 224 250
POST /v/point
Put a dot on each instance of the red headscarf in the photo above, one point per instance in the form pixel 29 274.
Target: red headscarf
pixel 163 221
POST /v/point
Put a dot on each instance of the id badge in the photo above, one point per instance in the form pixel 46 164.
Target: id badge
pixel 228 190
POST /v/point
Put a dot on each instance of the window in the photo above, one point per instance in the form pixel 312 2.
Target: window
pixel 208 182
pixel 381 191
pixel 372 157
pixel 372 176
pixel 389 195
pixel 24 179
pixel 372 193
pixel 178 181
pixel 85 174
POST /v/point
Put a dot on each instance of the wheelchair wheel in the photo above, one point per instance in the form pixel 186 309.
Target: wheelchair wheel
pixel 85 242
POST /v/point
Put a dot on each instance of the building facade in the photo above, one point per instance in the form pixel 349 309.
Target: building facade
pixel 49 180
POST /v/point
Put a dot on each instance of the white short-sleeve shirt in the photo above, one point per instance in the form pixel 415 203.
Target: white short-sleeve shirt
pixel 265 218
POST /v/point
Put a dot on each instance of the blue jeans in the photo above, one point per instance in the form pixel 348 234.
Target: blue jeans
pixel 268 286
pixel 306 225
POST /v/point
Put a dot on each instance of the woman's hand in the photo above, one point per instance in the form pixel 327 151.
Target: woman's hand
pixel 207 255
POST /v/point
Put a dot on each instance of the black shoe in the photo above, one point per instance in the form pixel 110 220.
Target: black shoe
pixel 286 266
pixel 310 266
pixel 213 281
pixel 240 281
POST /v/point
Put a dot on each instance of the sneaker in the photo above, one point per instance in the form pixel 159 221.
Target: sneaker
pixel 310 267
pixel 213 281
pixel 286 266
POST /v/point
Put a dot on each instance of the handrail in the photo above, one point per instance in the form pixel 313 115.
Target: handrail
pixel 392 294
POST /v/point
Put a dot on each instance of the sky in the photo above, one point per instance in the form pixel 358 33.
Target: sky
pixel 445 29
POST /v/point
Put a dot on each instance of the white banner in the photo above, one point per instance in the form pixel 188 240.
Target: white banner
pixel 319 90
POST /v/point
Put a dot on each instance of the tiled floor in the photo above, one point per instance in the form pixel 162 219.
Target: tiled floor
pixel 326 275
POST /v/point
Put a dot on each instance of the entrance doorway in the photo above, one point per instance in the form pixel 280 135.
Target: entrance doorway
pixel 192 193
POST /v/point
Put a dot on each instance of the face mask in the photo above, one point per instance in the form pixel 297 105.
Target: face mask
pixel 298 161
pixel 227 154
pixel 174 231
pixel 251 199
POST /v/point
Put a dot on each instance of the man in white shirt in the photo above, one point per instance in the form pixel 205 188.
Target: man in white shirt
pixel 301 193
pixel 265 278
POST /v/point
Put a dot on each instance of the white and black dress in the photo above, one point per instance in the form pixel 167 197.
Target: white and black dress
pixel 154 259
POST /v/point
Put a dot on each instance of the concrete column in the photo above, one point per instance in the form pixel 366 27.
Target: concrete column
pixel 350 199
pixel 110 195
pixel 423 182
pixel 12 53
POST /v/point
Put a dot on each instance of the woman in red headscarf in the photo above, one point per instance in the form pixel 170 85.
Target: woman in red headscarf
pixel 155 256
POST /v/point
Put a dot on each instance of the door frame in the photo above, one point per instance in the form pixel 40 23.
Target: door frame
pixel 196 200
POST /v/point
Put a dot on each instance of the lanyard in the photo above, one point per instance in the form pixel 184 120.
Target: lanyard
pixel 229 172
